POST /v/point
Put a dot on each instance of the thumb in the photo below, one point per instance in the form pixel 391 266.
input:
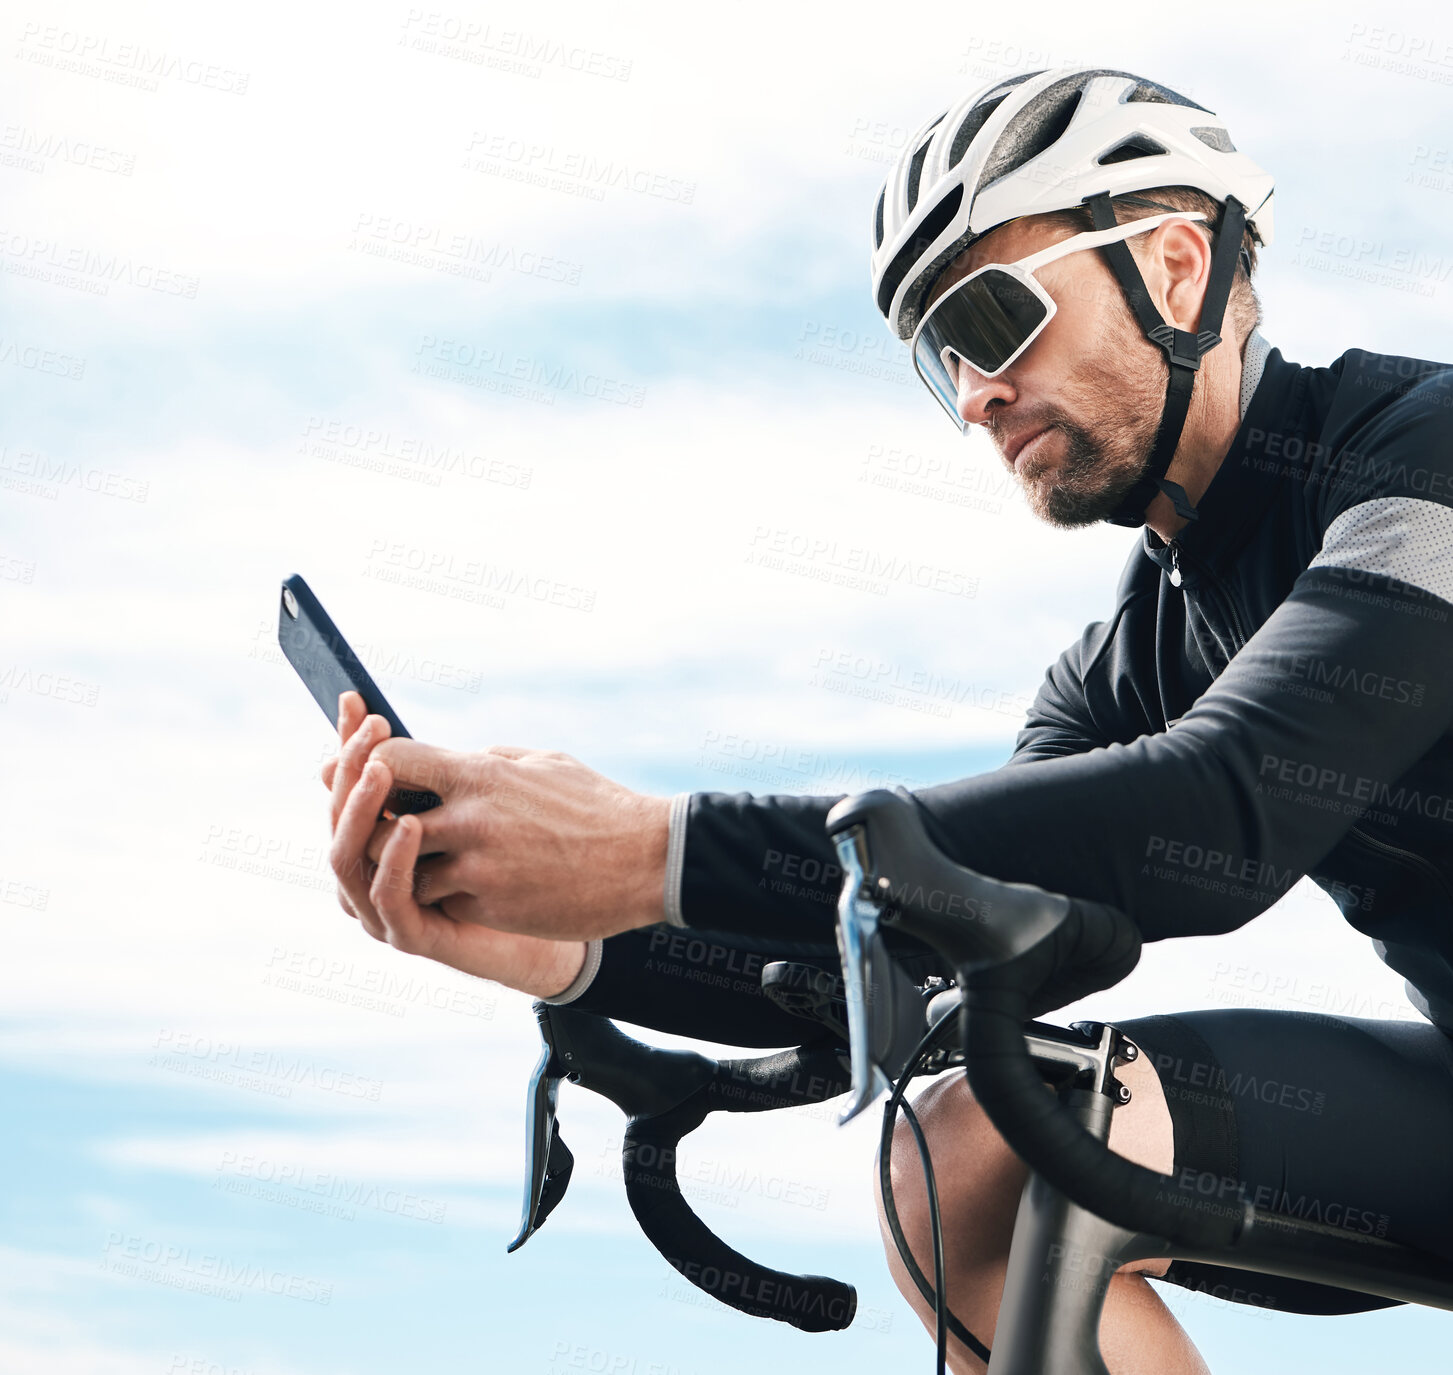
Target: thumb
pixel 423 766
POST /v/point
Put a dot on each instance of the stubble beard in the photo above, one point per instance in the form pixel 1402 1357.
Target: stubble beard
pixel 1106 450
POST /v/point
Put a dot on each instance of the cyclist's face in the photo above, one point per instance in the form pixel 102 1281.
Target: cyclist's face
pixel 1091 382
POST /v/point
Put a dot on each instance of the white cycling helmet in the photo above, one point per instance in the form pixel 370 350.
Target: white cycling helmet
pixel 1065 139
pixel 1039 142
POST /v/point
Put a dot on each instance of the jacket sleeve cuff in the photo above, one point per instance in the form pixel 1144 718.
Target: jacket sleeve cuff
pixel 676 858
pixel 582 980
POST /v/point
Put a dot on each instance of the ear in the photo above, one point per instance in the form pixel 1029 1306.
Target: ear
pixel 1182 256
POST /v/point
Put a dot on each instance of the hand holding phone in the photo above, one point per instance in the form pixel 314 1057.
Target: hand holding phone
pixel 326 663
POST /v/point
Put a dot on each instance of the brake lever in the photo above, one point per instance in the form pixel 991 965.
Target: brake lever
pixel 666 1094
pixel 608 1062
pixel 548 1161
pixel 885 1008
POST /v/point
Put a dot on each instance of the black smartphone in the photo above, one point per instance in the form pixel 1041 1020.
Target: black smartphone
pixel 326 663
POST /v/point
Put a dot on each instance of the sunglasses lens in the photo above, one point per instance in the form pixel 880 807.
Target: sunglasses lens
pixel 985 321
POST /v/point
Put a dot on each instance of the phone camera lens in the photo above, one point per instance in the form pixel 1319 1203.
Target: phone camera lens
pixel 290 602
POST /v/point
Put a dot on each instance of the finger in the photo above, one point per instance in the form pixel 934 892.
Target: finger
pixel 351 759
pixel 355 750
pixel 363 731
pixel 421 766
pixel 350 837
pixel 380 838
pixel 428 868
pixel 431 841
pixel 441 877
pixel 460 826
pixel 369 921
pixel 350 715
pixel 351 712
pixel 392 890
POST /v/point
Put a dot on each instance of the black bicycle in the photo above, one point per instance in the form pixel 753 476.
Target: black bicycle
pixel 1016 950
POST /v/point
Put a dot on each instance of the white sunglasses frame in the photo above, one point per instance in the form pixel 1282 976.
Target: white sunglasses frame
pixel 1022 270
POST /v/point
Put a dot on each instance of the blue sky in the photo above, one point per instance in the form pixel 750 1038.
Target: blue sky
pixel 213 374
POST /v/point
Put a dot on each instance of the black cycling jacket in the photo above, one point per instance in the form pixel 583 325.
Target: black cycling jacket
pixel 1271 696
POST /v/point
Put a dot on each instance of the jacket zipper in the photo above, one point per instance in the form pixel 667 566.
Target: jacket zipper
pixel 1217 595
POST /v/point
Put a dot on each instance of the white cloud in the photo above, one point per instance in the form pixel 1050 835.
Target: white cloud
pixel 691 653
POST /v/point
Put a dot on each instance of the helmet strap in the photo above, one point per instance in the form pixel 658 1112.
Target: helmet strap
pixel 1183 350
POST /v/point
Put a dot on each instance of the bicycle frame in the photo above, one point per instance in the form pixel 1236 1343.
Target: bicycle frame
pixel 1062 1256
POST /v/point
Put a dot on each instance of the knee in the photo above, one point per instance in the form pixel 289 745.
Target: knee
pixel 942 1110
pixel 978 1178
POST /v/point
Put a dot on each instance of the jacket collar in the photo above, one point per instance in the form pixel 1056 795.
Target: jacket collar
pixel 1244 485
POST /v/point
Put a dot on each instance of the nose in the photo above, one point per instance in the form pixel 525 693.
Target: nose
pixel 977 393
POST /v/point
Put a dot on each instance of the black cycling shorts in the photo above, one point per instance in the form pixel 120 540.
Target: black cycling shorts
pixel 1344 1120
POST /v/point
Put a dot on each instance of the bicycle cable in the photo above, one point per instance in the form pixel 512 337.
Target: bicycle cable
pixel 945 1318
pixel 940 1304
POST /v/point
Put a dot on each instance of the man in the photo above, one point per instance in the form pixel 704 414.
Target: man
pixel 1272 696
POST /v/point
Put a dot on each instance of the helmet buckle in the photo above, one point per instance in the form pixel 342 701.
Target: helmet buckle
pixel 1183 348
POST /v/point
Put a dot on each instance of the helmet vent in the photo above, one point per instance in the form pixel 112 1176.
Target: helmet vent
pixel 1136 146
pixel 915 167
pixel 1213 136
pixel 1152 92
pixel 934 223
pixel 1027 135
pixel 878 218
pixel 973 122
pixel 915 173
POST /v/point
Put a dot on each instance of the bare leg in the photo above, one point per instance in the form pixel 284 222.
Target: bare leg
pixel 979 1182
